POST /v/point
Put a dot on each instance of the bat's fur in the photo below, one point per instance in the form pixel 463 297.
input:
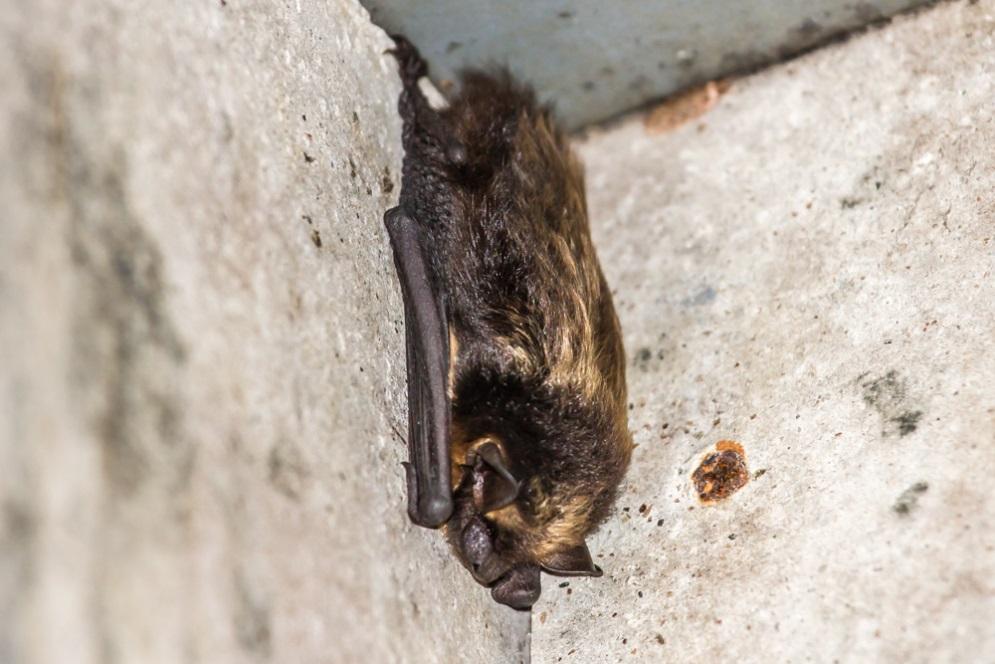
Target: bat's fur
pixel 537 359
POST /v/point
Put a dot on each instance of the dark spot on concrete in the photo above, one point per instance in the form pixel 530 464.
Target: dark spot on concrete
pixel 705 296
pixel 849 203
pixel 721 473
pixel 304 117
pixel 909 499
pixel 732 536
pixel 867 13
pixel 587 86
pixel 355 117
pixel 659 639
pixel 888 395
pixel 743 62
pixel 252 619
pixel 565 14
pixel 760 473
pixel 369 190
pixel 287 470
pixel 316 237
pixel 659 522
pixel 227 128
pixel 386 183
pixel 908 422
pixel 453 46
pixel 352 169
pixel 307 219
pixel 642 358
pixel 564 584
pixel 125 368
pixel 18 522
pixel 808 30
pixel 308 158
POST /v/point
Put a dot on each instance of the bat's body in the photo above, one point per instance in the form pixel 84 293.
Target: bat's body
pixel 516 372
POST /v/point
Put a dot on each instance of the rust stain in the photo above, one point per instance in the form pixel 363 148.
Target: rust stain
pixel 721 473
pixel 729 446
pixel 684 107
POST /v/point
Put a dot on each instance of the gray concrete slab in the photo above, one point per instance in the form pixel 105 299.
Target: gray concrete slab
pixel 596 59
pixel 200 346
pixel 808 270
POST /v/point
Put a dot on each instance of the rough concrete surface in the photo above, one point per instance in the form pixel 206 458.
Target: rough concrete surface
pixel 596 59
pixel 200 346
pixel 808 270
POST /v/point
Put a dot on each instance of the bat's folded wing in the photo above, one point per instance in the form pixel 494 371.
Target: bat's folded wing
pixel 426 331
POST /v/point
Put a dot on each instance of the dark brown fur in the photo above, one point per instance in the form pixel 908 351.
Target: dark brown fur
pixel 537 359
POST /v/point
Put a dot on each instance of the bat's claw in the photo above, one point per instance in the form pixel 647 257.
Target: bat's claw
pixel 412 65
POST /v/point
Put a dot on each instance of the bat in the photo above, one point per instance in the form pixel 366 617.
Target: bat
pixel 517 422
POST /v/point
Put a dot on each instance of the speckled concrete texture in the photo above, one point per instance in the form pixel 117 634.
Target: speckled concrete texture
pixel 201 346
pixel 809 271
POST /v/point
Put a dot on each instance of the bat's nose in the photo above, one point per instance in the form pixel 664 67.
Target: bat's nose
pixel 490 570
pixel 476 541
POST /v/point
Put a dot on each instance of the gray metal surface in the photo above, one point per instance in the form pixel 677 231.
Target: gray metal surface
pixel 597 59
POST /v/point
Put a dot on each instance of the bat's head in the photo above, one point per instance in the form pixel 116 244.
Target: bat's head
pixel 515 517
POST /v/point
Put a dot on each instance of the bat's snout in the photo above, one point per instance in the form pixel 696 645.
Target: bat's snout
pixel 477 543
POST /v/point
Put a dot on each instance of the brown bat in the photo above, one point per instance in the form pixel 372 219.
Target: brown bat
pixel 517 422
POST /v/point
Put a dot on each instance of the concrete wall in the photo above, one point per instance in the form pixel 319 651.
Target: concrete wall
pixel 596 59
pixel 201 366
pixel 807 270
pixel 200 346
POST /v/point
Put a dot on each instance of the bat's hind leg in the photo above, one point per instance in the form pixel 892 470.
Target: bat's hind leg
pixel 426 134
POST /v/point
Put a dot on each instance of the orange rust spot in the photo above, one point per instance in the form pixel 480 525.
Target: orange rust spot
pixel 721 473
pixel 729 446
pixel 685 106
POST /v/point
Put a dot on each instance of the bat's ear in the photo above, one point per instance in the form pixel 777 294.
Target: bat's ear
pixel 494 486
pixel 575 561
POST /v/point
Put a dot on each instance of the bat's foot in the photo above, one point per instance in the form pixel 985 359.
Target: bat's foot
pixel 409 61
